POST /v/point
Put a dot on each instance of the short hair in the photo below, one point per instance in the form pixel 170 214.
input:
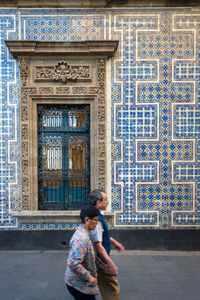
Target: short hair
pixel 88 211
pixel 95 195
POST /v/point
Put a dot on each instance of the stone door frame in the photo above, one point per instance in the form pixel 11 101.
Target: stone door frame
pixel 60 73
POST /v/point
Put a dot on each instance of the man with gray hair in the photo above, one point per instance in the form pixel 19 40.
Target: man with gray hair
pixel 107 280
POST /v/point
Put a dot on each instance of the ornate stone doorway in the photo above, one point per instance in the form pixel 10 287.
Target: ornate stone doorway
pixel 60 73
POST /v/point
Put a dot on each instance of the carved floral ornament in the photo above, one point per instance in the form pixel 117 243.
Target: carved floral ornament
pixel 24 69
pixel 63 72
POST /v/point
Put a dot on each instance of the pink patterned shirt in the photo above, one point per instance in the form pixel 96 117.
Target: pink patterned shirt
pixel 81 262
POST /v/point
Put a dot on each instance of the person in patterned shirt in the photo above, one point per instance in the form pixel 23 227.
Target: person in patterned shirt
pixel 81 271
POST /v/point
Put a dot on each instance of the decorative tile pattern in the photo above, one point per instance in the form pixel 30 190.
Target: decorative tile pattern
pixel 47 227
pixel 144 121
pixel 155 114
pixel 9 138
pixel 57 26
pixel 187 121
pixel 162 192
pixel 186 172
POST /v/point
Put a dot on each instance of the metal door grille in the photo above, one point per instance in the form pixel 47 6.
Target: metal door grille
pixel 64 156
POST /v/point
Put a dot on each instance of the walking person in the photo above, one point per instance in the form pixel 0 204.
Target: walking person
pixel 81 271
pixel 107 280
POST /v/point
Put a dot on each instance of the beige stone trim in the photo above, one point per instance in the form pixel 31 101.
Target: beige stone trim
pixel 48 48
pixel 49 217
pixel 35 100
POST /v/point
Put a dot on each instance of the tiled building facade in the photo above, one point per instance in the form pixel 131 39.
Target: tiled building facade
pixel 153 114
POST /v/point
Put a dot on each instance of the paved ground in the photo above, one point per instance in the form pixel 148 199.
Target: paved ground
pixel 144 275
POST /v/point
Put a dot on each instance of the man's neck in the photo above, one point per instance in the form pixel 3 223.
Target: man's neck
pixel 101 211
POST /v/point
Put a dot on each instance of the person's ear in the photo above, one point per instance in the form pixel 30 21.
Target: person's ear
pixel 98 203
pixel 86 220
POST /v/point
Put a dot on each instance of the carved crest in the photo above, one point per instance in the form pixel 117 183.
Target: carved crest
pixel 63 72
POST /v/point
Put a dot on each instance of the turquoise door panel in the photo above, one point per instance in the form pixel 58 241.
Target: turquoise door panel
pixel 64 156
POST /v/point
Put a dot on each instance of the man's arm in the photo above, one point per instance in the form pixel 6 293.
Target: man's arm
pixel 117 245
pixel 111 267
pixel 97 236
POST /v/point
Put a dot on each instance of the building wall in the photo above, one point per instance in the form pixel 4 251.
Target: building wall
pixel 153 122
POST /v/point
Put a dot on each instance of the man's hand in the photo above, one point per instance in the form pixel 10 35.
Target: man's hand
pixel 118 246
pixel 111 269
pixel 92 281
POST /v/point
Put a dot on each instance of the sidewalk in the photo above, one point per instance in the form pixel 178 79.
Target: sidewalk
pixel 143 275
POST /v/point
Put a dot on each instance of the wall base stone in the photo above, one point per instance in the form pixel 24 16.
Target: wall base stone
pixel 182 240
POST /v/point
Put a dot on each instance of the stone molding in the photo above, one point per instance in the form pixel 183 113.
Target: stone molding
pixel 34 92
pixel 25 48
pixel 49 217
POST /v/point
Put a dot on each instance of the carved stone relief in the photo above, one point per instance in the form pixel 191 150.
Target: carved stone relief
pixel 101 114
pixel 102 167
pixel 79 90
pixel 101 72
pixel 63 72
pixel 25 185
pixel 25 91
pixel 24 150
pixel 98 91
pixel 25 202
pixel 25 167
pixel 24 64
pixel 46 90
pixel 102 182
pixel 24 113
pixel 62 90
pixel 101 149
pixel 101 131
pixel 24 131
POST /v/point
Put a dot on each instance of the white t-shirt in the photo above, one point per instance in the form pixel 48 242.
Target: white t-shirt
pixel 97 233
